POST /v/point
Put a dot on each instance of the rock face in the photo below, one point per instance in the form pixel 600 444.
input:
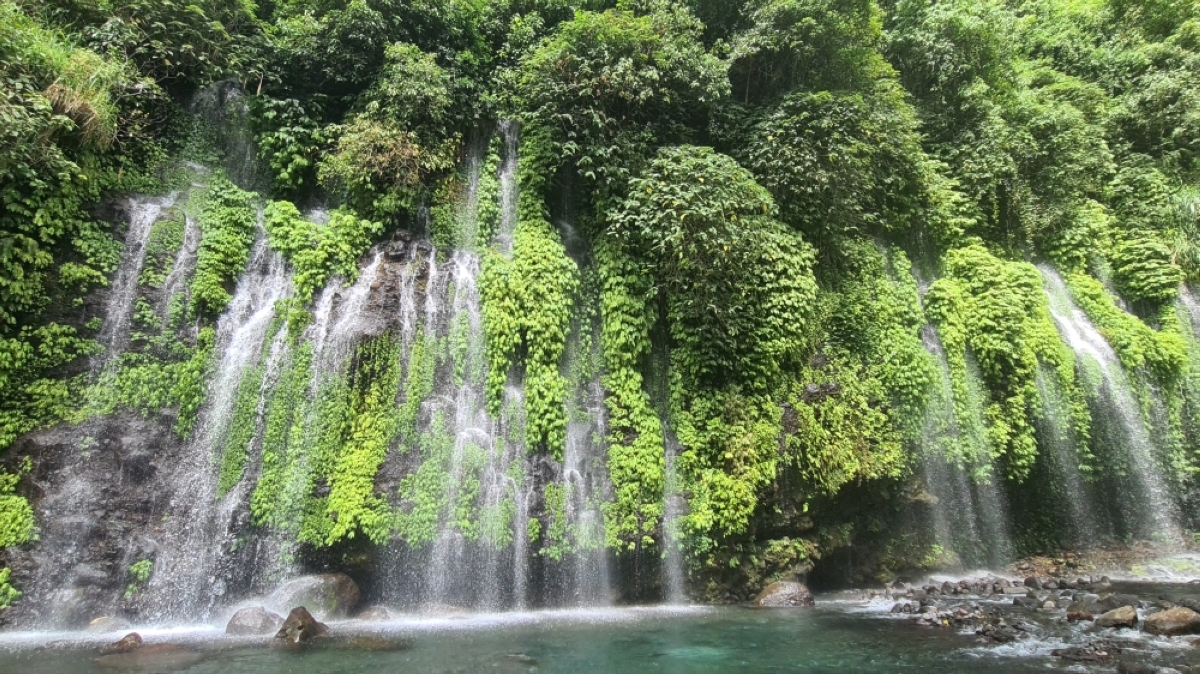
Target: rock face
pixel 785 594
pixel 327 595
pixel 300 627
pixel 1173 622
pixel 253 621
pixel 1126 616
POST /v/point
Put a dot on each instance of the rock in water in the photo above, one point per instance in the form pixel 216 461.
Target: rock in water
pixel 253 621
pixel 1126 616
pixel 300 627
pixel 375 614
pixel 784 594
pixel 1173 622
pixel 152 658
pixel 129 642
pixel 328 595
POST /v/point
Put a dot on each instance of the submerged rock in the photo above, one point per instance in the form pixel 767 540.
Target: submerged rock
pixel 152 658
pixel 1173 622
pixel 253 621
pixel 1126 616
pixel 785 594
pixel 129 642
pixel 367 642
pixel 300 627
pixel 328 595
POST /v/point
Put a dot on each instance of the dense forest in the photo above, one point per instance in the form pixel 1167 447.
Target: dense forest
pixel 815 239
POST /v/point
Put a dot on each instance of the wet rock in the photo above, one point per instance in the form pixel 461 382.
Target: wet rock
pixel 1033 583
pixel 1099 651
pixel 328 595
pixel 300 627
pixel 375 614
pixel 1126 616
pixel 1114 601
pixel 107 624
pixel 1173 622
pixel 152 658
pixel 129 642
pixel 785 594
pixel 1049 604
pixel 253 621
pixel 999 633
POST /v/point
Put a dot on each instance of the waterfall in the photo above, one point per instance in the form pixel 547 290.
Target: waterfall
pixel 508 188
pixel 123 290
pixel 969 509
pixel 186 582
pixel 673 509
pixel 1153 507
pixel 1058 447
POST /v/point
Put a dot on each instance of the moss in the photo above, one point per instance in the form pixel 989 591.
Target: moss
pixel 227 222
pixel 373 424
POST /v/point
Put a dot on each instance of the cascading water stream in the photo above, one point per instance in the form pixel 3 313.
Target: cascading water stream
pixel 971 512
pixel 1155 508
pixel 673 509
pixel 1059 443
pixel 118 310
pixel 185 582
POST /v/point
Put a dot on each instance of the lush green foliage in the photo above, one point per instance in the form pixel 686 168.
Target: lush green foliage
pixel 318 251
pixel 227 221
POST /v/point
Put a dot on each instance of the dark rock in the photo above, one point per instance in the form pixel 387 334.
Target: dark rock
pixel 1114 601
pixel 1033 583
pixel 129 642
pixel 1099 651
pixel 253 621
pixel 1173 622
pixel 1126 616
pixel 300 627
pixel 330 595
pixel 154 658
pixel 785 594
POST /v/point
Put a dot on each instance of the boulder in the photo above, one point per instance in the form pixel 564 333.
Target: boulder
pixel 785 594
pixel 327 595
pixel 1114 601
pixel 1126 616
pixel 375 614
pixel 129 642
pixel 253 621
pixel 1173 622
pixel 107 624
pixel 154 658
pixel 300 627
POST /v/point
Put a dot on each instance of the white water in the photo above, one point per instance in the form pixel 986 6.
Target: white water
pixel 186 581
pixel 970 512
pixel 1155 507
pixel 673 509
pixel 118 310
